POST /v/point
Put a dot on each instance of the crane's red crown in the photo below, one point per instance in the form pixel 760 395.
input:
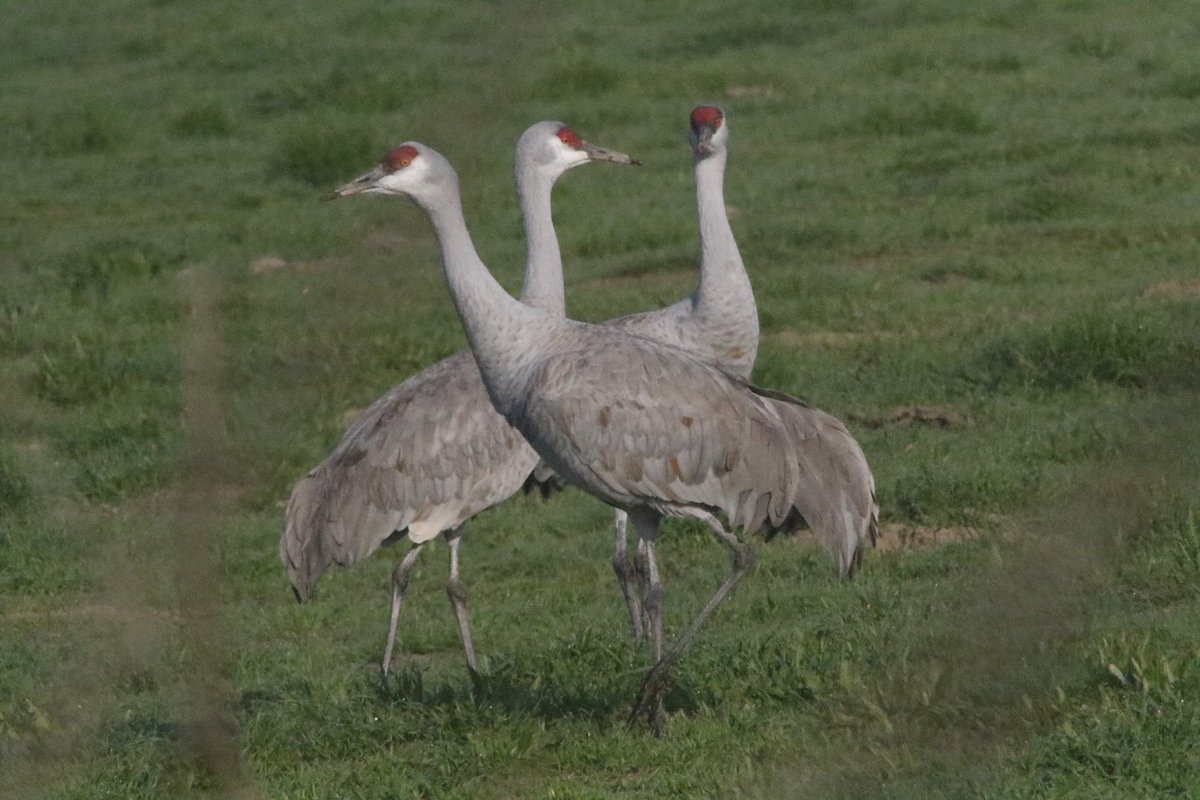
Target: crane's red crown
pixel 569 137
pixel 707 115
pixel 399 158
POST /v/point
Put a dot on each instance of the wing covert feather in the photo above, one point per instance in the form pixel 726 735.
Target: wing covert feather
pixel 641 423
pixel 427 456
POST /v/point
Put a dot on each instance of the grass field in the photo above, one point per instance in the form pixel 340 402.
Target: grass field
pixel 985 211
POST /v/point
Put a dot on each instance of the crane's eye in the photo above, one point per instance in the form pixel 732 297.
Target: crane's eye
pixel 399 158
pixel 569 138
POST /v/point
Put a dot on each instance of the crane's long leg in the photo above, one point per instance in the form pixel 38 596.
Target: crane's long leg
pixel 641 568
pixel 657 681
pixel 626 576
pixel 653 596
pixel 458 597
pixel 743 561
pixel 399 587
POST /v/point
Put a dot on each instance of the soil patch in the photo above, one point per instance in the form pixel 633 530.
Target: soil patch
pixel 903 416
pixel 1174 289
pixel 898 536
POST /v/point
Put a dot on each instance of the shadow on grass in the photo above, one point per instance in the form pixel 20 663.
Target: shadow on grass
pixel 508 687
pixel 591 680
pixel 583 678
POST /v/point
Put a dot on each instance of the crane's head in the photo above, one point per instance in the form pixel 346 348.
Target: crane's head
pixel 709 132
pixel 411 169
pixel 555 147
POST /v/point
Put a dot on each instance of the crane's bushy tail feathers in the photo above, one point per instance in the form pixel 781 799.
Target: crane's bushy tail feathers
pixel 834 491
pixel 299 546
pixel 327 522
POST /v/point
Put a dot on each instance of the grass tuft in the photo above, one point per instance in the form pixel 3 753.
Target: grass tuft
pixel 39 560
pixel 209 118
pixel 353 86
pixel 1184 85
pixel 16 490
pixel 87 369
pixel 1118 348
pixel 110 263
pixel 1165 565
pixel 1099 46
pixel 910 116
pixel 1055 196
pixel 580 77
pixel 79 131
pixel 132 465
pixel 1140 700
pixel 83 375
pixel 959 493
pixel 321 152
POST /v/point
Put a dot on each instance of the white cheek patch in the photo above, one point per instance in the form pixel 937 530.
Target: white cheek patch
pixel 408 177
pixel 562 151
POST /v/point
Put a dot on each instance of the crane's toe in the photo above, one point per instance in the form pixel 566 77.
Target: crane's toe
pixel 649 703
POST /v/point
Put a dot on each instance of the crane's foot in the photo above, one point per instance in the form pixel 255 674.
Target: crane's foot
pixel 649 703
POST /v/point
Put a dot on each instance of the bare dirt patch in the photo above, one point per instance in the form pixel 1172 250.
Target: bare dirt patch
pixel 897 536
pixel 267 264
pixel 99 611
pixel 903 416
pixel 1174 289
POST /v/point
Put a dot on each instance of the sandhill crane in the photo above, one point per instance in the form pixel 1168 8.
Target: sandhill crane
pixel 718 321
pixel 433 452
pixel 644 426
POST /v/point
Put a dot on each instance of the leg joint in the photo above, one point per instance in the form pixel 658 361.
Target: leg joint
pixel 744 558
pixel 654 598
pixel 457 591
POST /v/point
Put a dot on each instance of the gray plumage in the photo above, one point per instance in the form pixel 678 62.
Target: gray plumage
pixel 433 452
pixel 640 423
pixel 643 425
pixel 423 459
pixel 719 322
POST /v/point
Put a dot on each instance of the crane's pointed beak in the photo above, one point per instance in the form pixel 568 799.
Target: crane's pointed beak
pixel 360 184
pixel 702 139
pixel 597 153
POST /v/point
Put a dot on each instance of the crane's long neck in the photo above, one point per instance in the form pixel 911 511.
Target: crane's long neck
pixel 502 331
pixel 543 286
pixel 725 297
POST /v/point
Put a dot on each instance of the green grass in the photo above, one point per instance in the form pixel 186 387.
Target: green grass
pixel 940 205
